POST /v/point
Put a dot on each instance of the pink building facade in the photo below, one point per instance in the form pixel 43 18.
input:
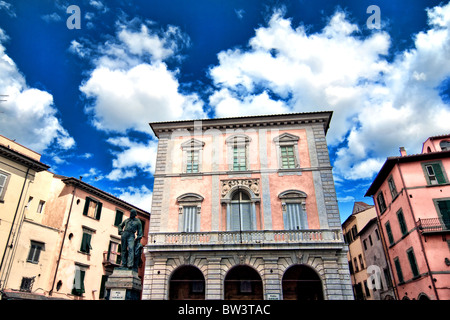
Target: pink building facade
pixel 245 208
pixel 412 197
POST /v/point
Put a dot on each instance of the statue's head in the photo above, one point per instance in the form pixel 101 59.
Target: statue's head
pixel 133 213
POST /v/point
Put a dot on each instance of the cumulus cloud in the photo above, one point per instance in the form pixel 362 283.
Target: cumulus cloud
pixel 379 104
pixel 132 155
pixel 131 83
pixel 140 197
pixel 28 114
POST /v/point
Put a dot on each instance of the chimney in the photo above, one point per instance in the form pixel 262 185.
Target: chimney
pixel 403 151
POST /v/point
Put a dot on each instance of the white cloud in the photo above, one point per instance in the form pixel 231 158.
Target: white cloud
pixel 8 8
pixel 378 105
pixel 53 17
pixel 139 197
pixel 133 155
pixel 28 115
pixel 131 85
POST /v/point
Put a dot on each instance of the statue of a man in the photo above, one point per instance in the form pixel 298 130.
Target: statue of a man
pixel 127 229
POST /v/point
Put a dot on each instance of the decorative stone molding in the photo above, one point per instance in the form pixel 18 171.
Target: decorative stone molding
pixel 227 185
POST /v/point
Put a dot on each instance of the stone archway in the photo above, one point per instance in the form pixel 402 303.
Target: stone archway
pixel 243 282
pixel 187 283
pixel 301 282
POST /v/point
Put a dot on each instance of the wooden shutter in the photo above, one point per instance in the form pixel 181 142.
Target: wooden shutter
pixel 234 219
pixel 438 173
pixel 86 206
pixel 246 216
pixel 444 209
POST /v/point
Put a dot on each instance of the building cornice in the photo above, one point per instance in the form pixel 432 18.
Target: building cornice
pixel 102 194
pixel 246 122
pixel 22 159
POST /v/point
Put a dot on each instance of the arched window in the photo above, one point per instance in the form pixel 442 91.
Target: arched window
pixel 301 282
pixel 187 282
pixel 241 217
pixel 293 204
pixel 240 203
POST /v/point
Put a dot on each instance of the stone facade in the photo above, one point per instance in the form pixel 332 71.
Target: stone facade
pixel 279 167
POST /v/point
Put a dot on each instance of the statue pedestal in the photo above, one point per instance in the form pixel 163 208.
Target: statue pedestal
pixel 123 284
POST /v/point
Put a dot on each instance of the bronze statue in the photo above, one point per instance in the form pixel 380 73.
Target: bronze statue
pixel 131 247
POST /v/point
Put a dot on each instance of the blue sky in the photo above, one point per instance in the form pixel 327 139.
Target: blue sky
pixel 84 97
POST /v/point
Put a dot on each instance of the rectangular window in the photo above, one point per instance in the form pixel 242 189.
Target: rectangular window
pixel 78 281
pixel 35 251
pixel 355 264
pixel 361 261
pixel 444 210
pixel 4 177
pixel 434 173
pixel 239 158
pixel 392 187
pixel 399 270
pixel 401 221
pixel 119 217
pixel 370 240
pixel 389 233
pixel 40 206
pixel 367 289
pixel 350 266
pixel 26 284
pixel 381 203
pixel 293 216
pixel 192 161
pixel 287 157
pixel 378 234
pixel 365 244
pixel 413 262
pixel 190 219
pixel 114 256
pixel 92 208
pixel 86 240
pixel 387 276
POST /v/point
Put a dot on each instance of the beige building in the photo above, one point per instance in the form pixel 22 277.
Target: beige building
pixel 361 215
pixel 65 242
pixel 18 169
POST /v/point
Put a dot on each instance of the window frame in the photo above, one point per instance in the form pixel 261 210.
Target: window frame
pixel 440 178
pixel 298 198
pixel 5 185
pixel 98 208
pixel 398 269
pixel 402 222
pixel 86 240
pixel 287 140
pixel 382 210
pixel 191 200
pixel 392 188
pixel 413 262
pixel 192 146
pixel 238 141
pixel 388 229
pixel 36 247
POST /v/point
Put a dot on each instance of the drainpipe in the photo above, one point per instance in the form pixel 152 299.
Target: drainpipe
pixel 14 220
pixel 62 243
pixel 418 233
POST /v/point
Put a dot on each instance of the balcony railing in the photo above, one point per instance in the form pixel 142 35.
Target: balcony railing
pixel 434 225
pixel 264 237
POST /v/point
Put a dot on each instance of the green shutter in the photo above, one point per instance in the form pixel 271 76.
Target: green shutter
pixel 86 243
pixel 389 232
pixel 399 270
pixel 444 209
pixel 412 262
pixel 78 282
pixel 119 217
pixel 86 206
pixel 401 220
pixel 99 210
pixel 438 173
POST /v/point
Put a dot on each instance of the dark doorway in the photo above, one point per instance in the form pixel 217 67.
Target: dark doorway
pixel 187 283
pixel 243 283
pixel 301 283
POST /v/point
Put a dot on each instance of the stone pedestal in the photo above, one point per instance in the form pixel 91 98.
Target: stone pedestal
pixel 123 284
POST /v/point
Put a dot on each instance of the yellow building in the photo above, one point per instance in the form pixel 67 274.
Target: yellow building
pixel 361 215
pixel 64 241
pixel 18 168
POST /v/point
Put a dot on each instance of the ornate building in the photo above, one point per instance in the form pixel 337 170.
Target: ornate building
pixel 245 208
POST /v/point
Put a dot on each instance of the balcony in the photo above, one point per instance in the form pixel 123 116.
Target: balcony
pixel 433 225
pixel 264 239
